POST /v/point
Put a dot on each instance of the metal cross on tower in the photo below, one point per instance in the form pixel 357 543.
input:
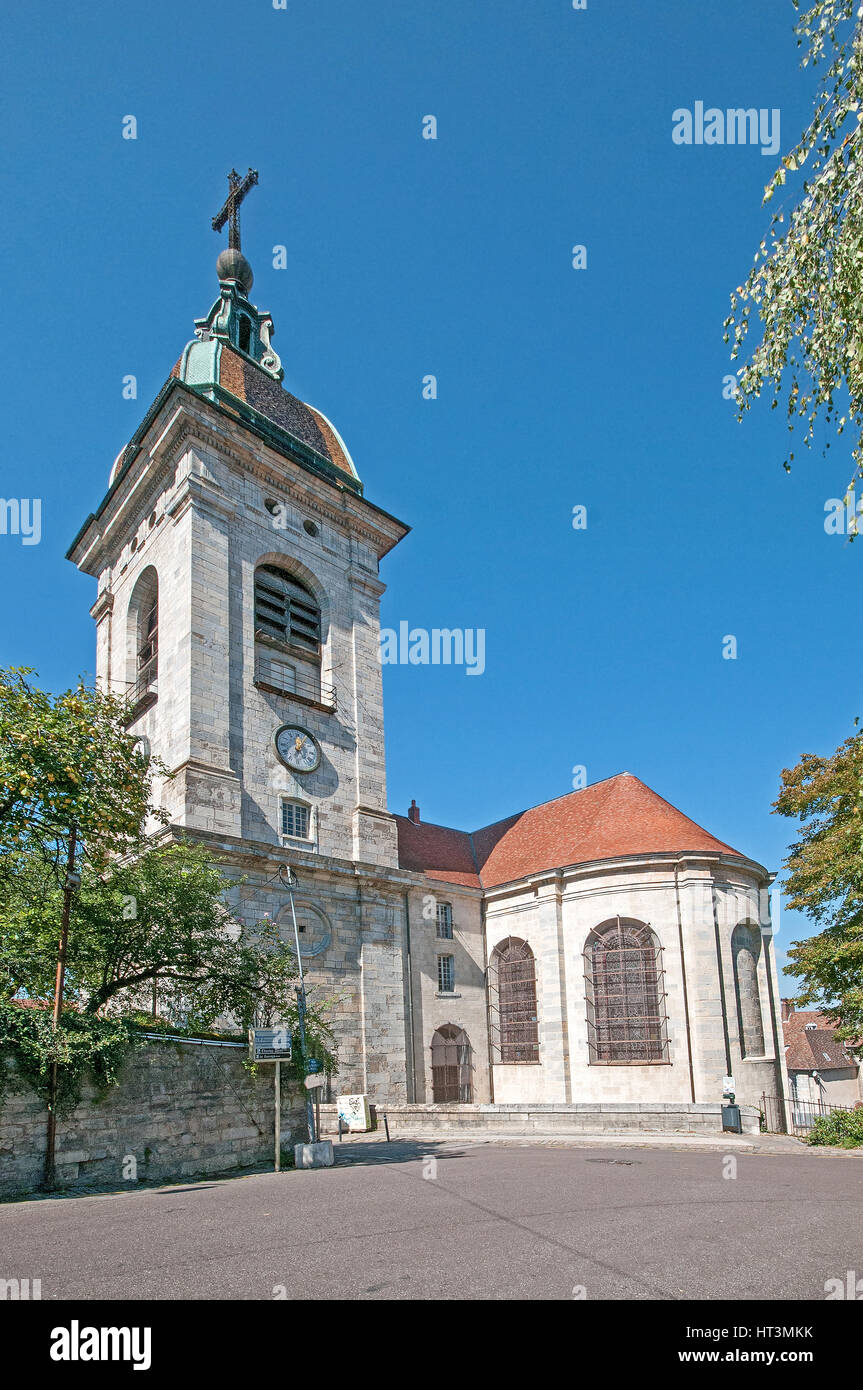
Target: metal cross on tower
pixel 230 211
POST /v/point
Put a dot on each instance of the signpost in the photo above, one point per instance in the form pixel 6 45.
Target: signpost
pixel 289 879
pixel 314 1154
pixel 273 1045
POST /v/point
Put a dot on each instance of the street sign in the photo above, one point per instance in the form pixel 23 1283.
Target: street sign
pixel 313 1081
pixel 313 1064
pixel 270 1044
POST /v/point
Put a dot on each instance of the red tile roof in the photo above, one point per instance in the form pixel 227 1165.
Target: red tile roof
pixel 813 1048
pixel 609 820
pixel 439 852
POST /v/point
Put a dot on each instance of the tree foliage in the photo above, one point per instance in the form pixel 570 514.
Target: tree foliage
pixel 841 1129
pixel 83 1044
pixel 825 880
pixel 68 760
pixel 806 285
pixel 147 911
pixel 162 917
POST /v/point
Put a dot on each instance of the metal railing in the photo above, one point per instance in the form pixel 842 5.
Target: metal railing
pixel 146 688
pixel 294 683
pixel 787 1115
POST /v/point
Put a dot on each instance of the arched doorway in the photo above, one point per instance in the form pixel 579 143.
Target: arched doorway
pixel 451 1066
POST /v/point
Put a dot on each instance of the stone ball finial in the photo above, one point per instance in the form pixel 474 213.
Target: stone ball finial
pixel 232 265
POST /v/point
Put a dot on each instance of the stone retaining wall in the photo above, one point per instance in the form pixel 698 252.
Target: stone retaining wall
pixel 651 1117
pixel 180 1108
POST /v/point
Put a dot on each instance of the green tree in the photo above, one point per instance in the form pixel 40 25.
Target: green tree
pixel 825 880
pixel 162 918
pixel 71 777
pixel 806 283
pixel 145 911
pixel 69 760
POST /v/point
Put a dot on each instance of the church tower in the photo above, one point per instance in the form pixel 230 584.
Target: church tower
pixel 238 607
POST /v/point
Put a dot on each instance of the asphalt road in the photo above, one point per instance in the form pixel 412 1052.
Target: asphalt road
pixel 489 1221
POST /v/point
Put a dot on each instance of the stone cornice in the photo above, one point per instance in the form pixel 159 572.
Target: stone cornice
pixel 708 863
pixel 104 604
pixel 194 420
pixel 265 857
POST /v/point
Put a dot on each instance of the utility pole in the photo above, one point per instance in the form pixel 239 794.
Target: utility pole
pixel 72 882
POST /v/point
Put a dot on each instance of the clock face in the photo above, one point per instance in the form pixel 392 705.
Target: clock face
pixel 297 748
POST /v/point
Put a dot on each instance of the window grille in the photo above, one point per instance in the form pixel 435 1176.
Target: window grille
pixel 518 1019
pixel 285 609
pixel 444 921
pixel 295 819
pixel 452 1082
pixel 446 974
pixel 626 1018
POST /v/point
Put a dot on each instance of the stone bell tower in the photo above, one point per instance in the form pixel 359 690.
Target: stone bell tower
pixel 238 596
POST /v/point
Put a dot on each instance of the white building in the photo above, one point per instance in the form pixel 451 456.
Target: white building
pixel 599 948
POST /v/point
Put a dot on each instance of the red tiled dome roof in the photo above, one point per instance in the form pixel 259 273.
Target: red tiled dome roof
pixel 609 820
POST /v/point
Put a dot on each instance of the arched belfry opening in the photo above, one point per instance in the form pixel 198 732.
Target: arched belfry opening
pixel 288 634
pixel 142 639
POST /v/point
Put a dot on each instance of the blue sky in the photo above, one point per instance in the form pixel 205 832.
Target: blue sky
pixel 557 387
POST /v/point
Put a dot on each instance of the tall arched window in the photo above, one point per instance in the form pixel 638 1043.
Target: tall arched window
pixel 452 1083
pixel 287 632
pixel 142 638
pixel 745 951
pixel 626 1019
pixel 514 971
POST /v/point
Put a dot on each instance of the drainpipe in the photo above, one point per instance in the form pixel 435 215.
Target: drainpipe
pixel 683 976
pixel 729 1069
pixel 778 1050
pixel 362 985
pixel 410 1058
pixel 482 920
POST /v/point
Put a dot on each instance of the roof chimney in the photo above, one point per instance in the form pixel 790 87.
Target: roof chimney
pixel 787 1007
pixel 414 813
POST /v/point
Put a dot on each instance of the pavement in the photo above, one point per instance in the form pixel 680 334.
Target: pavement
pixel 506 1218
pixel 681 1143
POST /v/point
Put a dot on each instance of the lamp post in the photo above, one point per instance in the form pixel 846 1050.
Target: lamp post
pixel 290 881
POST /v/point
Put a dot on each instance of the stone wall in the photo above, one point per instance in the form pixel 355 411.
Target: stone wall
pixel 645 1118
pixel 179 1109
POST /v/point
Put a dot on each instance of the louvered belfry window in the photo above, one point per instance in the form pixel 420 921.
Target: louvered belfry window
pixel 286 609
pixel 625 996
pixel 516 983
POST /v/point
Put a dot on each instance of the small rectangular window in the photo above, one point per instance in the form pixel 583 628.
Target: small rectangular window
pixel 446 974
pixel 444 921
pixel 295 820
